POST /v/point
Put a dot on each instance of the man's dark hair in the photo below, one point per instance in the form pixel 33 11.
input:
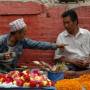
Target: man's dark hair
pixel 72 14
pixel 13 33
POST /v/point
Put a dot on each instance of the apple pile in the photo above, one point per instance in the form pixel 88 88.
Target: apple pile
pixel 26 79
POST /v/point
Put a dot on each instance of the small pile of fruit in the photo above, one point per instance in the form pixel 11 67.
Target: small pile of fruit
pixel 81 83
pixel 26 79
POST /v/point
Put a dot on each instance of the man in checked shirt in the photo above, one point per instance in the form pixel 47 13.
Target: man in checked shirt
pixel 13 43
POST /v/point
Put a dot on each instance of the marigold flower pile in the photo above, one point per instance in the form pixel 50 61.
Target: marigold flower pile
pixel 74 84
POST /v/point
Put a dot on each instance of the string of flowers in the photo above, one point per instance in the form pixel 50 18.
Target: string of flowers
pixel 85 81
pixel 74 84
pixel 68 84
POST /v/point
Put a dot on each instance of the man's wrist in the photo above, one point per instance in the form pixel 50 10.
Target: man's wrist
pixel 55 46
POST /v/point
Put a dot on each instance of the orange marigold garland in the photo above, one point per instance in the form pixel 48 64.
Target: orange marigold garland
pixel 74 84
pixel 85 81
pixel 86 85
pixel 68 84
pixel 85 77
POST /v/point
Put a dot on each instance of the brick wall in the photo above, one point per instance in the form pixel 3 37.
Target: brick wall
pixel 43 24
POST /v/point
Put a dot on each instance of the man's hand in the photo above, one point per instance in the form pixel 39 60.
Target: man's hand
pixel 78 62
pixel 62 46
pixel 7 55
pixel 83 63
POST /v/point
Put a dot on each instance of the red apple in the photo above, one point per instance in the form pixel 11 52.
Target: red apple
pixel 50 83
pixel 17 78
pixel 18 82
pixel 33 84
pixel 39 84
pixel 36 71
pixel 26 77
pixel 2 75
pixel 8 79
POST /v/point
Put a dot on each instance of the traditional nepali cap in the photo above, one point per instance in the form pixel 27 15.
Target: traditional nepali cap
pixel 17 24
